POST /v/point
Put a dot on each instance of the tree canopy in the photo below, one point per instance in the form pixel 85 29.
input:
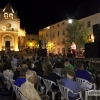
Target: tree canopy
pixel 77 32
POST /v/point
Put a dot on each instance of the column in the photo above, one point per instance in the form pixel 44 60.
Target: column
pixel 0 43
pixel 16 43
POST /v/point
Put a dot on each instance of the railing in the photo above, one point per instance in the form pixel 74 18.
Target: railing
pixel 74 61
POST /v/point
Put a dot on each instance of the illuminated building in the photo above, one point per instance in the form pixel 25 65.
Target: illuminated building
pixel 55 34
pixel 12 37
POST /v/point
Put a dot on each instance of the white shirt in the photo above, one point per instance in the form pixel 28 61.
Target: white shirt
pixel 8 75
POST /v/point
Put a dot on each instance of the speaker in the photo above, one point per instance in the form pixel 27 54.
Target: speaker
pixel 44 52
pixel 92 54
pixel 92 50
pixel 92 46
pixel 96 32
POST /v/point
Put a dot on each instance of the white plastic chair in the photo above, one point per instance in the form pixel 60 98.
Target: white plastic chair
pixel 4 81
pixel 48 85
pixel 39 81
pixel 84 84
pixel 64 91
pixel 16 89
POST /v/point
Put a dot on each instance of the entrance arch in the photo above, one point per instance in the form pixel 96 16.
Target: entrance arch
pixel 7 41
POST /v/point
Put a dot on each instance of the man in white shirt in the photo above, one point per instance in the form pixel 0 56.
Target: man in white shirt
pixel 27 88
pixel 73 48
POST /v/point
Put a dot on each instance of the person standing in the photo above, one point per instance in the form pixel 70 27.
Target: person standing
pixel 73 48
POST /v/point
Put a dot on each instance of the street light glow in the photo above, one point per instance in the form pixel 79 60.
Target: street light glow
pixel 70 21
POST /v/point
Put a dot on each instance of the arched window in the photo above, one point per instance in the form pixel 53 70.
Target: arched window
pixel 6 15
pixel 11 16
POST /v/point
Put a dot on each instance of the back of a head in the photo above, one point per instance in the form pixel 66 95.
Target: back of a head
pixel 66 64
pixel 23 71
pixel 31 76
pixel 70 74
pixel 24 66
pixel 80 66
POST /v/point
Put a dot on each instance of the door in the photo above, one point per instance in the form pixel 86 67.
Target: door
pixel 7 44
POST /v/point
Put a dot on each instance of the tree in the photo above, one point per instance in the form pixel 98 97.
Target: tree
pixel 77 32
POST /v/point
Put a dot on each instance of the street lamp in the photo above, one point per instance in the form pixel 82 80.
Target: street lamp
pixel 70 21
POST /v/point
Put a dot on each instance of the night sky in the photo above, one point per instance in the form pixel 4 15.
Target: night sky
pixel 37 14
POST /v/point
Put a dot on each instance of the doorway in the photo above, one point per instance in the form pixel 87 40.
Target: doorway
pixel 7 44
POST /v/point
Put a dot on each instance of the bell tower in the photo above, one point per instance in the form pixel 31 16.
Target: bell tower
pixel 9 28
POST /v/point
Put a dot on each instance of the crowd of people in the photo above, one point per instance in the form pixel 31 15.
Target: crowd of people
pixel 24 72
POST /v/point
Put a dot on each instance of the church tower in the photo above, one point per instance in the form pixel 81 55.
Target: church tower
pixel 9 29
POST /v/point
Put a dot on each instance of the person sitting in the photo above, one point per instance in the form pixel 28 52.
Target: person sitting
pixel 67 66
pixel 8 74
pixel 50 75
pixel 71 84
pixel 58 66
pixel 90 68
pixel 81 73
pixel 38 69
pixel 20 80
pixel 27 88
pixel 17 73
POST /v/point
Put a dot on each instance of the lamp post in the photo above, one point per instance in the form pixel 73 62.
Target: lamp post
pixel 70 21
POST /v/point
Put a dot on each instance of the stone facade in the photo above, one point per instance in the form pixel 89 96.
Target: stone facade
pixel 12 37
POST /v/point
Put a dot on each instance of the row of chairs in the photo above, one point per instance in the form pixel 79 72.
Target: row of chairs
pixel 64 90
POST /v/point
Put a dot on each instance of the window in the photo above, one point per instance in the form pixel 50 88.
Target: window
pixel 4 28
pixel 58 25
pixel 63 51
pixel 63 32
pixel 88 24
pixel 58 33
pixel 11 16
pixel 6 15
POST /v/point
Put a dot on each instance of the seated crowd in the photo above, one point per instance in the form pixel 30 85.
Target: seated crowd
pixel 25 72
